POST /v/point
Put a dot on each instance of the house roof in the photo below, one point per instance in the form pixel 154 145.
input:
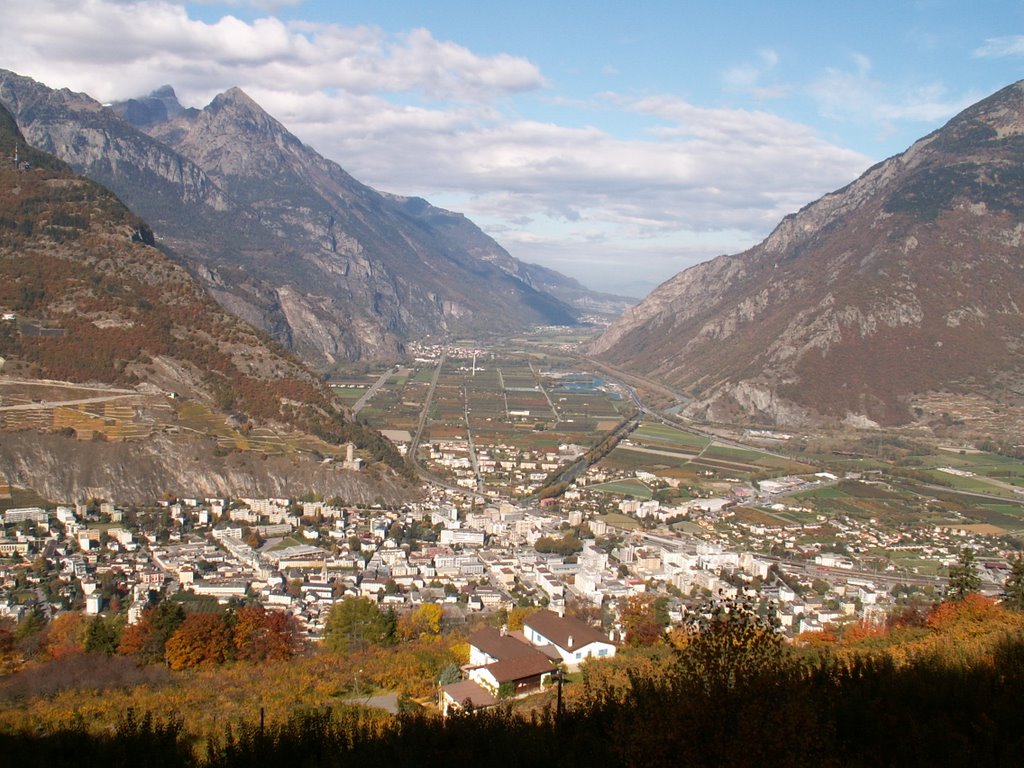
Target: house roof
pixel 520 667
pixel 499 646
pixel 469 692
pixel 548 650
pixel 564 631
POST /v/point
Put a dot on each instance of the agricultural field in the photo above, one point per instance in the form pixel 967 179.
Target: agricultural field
pixel 633 488
pixel 84 412
pixel 522 408
pixel 680 454
pixel 619 520
pixel 894 502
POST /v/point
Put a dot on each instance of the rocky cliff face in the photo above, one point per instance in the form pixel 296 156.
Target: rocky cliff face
pixel 64 469
pixel 281 236
pixel 908 281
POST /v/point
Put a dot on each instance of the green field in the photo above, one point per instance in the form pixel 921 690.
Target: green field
pixel 660 433
pixel 633 488
pixel 620 520
pixel 977 484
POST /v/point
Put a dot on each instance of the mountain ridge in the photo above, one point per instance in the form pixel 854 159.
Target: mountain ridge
pixel 904 282
pixel 281 236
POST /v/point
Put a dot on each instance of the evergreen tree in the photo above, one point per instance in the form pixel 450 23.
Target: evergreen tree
pixel 101 636
pixel 353 624
pixel 963 577
pixel 1013 588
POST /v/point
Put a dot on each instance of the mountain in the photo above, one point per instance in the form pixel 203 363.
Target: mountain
pixel 461 234
pixel 457 235
pixel 905 284
pixel 281 236
pixel 88 300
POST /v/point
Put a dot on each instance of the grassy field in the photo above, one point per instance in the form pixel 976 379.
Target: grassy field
pixel 659 433
pixel 633 488
pixel 620 520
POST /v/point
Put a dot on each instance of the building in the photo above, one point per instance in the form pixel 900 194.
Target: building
pixel 501 665
pixel 574 640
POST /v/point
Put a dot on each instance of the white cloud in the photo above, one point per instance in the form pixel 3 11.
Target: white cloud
pixel 855 96
pixel 420 116
pixel 112 50
pixel 1009 45
pixel 757 79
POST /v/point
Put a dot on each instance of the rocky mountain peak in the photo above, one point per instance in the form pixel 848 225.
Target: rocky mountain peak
pixel 240 104
pixel 285 238
pixel 158 107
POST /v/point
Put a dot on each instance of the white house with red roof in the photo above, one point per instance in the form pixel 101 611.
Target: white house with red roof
pixel 575 640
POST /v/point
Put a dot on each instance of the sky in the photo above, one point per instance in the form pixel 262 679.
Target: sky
pixel 618 143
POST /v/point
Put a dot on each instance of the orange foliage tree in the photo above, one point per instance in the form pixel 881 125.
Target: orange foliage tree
pixel 639 620
pixel 425 621
pixel 203 638
pixel 147 638
pixel 65 635
pixel 261 635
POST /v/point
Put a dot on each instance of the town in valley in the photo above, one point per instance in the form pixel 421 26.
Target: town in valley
pixel 548 483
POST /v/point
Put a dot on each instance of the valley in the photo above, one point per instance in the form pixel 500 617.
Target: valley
pixel 504 420
pixel 516 384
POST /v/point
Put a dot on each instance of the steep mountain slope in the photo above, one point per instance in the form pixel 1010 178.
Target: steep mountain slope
pixel 908 281
pixel 93 301
pixel 282 237
pixel 461 234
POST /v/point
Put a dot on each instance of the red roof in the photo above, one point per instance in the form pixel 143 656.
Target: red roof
pixel 561 629
pixel 520 667
pixel 469 692
pixel 499 646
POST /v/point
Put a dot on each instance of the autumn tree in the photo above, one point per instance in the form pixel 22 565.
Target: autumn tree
pixel 963 577
pixel 261 635
pixel 728 644
pixel 65 635
pixel 147 638
pixel 640 621
pixel 353 624
pixel 202 638
pixel 518 615
pixel 425 621
pixel 10 659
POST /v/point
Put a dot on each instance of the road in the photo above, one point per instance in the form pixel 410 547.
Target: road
pixel 627 381
pixel 472 448
pixel 1016 499
pixel 415 444
pixel 6 380
pixel 368 394
pixel 540 386
pixel 46 404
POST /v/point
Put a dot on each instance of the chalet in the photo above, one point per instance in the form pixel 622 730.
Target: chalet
pixel 574 640
pixel 516 676
pixel 500 665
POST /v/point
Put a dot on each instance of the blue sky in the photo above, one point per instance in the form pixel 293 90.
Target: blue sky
pixel 616 142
